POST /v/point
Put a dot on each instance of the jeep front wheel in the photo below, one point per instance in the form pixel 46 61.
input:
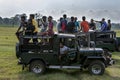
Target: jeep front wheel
pixel 96 68
pixel 37 67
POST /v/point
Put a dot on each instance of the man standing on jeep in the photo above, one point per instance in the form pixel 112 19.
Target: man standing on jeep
pixel 109 25
pixel 35 24
pixel 103 25
pixel 84 25
pixel 71 26
pixel 50 30
pixel 64 23
pixel 43 24
pixel 23 25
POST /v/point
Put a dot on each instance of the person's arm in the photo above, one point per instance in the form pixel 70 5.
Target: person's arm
pixel 80 26
pixel 98 21
pixel 19 28
pixel 66 50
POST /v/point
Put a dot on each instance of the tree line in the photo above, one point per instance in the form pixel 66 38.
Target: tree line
pixel 13 21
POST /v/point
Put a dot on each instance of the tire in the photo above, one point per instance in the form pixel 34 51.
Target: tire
pixel 96 68
pixel 37 67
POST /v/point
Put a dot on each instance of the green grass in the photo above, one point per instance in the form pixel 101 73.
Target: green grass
pixel 9 70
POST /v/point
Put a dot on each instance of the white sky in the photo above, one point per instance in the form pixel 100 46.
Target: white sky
pixel 110 9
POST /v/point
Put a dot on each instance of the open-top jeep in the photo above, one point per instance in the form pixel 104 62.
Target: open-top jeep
pixel 39 56
pixel 106 40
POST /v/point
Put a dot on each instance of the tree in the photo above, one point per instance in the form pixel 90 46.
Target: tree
pixel 6 21
pixel 1 20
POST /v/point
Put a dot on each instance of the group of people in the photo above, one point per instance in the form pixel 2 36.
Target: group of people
pixel 31 26
pixel 68 27
pixel 46 26
pixel 74 26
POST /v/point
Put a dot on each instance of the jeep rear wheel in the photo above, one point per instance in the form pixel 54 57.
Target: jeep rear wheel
pixel 96 68
pixel 37 67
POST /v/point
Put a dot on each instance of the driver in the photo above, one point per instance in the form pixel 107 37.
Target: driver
pixel 63 50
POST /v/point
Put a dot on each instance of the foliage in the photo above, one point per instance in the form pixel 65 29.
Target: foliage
pixel 10 21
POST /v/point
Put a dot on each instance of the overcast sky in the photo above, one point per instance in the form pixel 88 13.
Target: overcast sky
pixel 97 9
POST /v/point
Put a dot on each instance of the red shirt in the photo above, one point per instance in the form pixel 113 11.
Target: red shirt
pixel 85 26
pixel 50 28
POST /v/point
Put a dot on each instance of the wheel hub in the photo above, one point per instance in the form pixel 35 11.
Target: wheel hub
pixel 37 69
pixel 96 69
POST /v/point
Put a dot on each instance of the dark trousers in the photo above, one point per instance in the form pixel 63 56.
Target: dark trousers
pixel 35 40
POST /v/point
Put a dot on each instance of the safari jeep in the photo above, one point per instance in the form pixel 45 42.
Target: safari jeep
pixel 39 56
pixel 106 40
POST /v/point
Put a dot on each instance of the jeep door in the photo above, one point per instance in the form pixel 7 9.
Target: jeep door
pixel 52 56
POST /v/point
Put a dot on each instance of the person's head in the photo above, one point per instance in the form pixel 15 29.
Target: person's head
pixel 72 18
pixel 50 18
pixel 109 21
pixel 83 18
pixel 64 16
pixel 75 18
pixel 23 18
pixel 61 19
pixel 103 19
pixel 61 45
pixel 44 18
pixel 32 16
pixel 91 20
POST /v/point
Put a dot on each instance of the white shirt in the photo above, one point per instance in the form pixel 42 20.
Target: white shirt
pixel 62 50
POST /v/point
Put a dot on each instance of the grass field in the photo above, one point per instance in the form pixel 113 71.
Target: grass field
pixel 9 70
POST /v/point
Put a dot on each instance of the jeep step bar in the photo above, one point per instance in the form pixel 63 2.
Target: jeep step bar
pixel 65 67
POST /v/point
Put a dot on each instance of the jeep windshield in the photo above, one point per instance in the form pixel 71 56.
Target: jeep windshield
pixel 83 39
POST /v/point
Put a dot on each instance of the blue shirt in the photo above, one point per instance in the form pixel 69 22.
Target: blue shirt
pixel 76 25
pixel 104 27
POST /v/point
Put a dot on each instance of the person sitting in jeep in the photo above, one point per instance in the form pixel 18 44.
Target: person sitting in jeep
pixel 22 27
pixel 35 24
pixel 29 30
pixel 50 30
pixel 63 51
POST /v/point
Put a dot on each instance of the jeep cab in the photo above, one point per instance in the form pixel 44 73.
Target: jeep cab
pixel 39 56
pixel 106 40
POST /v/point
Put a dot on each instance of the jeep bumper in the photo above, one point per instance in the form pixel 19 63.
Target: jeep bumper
pixel 112 62
pixel 19 61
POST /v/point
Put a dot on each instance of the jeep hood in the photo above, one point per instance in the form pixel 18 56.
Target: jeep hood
pixel 91 51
